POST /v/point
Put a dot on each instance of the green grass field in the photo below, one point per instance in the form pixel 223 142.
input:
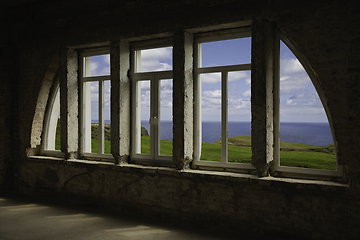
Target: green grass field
pixel 239 150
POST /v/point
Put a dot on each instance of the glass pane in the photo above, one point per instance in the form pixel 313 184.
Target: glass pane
pixel 166 117
pixel 211 117
pixel 227 52
pixel 53 128
pixel 152 60
pixel 143 114
pixel 58 135
pixel 306 139
pixel 107 122
pixel 94 117
pixel 98 65
pixel 239 117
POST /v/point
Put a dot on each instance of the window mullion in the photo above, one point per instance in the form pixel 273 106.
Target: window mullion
pixel 224 117
pixel 153 119
pixel 137 137
pixel 276 101
pixel 156 105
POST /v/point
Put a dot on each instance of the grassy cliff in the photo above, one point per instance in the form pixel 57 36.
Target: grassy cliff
pixel 239 150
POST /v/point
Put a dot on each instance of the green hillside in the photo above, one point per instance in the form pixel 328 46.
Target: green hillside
pixel 239 150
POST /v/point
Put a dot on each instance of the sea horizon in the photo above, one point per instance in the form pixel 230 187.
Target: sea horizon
pixel 312 133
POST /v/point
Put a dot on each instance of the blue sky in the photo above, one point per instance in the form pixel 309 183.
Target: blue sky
pixel 298 99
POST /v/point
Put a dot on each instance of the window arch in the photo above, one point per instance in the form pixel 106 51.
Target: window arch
pixel 298 97
pixel 51 133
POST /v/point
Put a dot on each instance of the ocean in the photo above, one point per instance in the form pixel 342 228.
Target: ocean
pixel 317 134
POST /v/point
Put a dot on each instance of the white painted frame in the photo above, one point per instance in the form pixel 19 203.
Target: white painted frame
pixel 305 172
pixel 223 70
pixel 154 77
pixel 50 122
pixel 85 103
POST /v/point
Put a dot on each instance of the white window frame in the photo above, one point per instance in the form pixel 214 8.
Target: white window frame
pixel 154 77
pixel 50 122
pixel 286 170
pixel 85 104
pixel 223 70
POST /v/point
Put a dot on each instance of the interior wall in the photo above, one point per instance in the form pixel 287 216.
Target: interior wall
pixel 325 32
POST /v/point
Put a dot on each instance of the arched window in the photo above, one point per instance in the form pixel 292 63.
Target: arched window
pixel 51 134
pixel 303 130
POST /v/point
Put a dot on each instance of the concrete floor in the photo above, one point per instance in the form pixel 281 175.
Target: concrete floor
pixel 29 219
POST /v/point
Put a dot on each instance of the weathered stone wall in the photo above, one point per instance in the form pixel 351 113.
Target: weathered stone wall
pixel 267 206
pixel 8 105
pixel 327 34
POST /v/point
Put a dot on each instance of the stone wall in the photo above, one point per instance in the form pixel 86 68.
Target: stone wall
pixel 326 33
pixel 264 206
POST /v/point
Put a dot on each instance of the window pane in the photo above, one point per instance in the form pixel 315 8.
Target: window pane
pixel 58 135
pixel 211 117
pixel 107 122
pixel 98 65
pixel 53 127
pixel 95 117
pixel 306 139
pixel 239 117
pixel 227 52
pixel 152 60
pixel 166 117
pixel 143 115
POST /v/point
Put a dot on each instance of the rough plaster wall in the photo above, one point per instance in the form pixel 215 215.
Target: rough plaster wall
pixel 8 105
pixel 326 33
pixel 266 206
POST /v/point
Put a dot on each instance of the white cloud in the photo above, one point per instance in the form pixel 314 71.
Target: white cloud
pixel 290 102
pixel 100 65
pixel 145 85
pixel 247 93
pixel 237 76
pixel 145 99
pixel 94 67
pixel 158 59
pixel 291 65
pixel 106 58
pixel 166 84
pixel 212 94
pixel 211 78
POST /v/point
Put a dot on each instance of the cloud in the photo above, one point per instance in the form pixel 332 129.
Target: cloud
pixel 237 76
pixel 100 65
pixel 106 58
pixel 159 59
pixel 94 67
pixel 145 99
pixel 247 93
pixel 145 85
pixel 211 78
pixel 291 65
pixel 166 84
pixel 212 94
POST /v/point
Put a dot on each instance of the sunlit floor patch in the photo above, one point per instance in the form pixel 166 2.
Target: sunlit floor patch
pixel 26 208
pixel 80 219
pixel 138 230
pixel 67 216
pixel 20 206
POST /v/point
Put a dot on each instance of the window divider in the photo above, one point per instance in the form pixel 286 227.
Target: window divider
pixel 224 117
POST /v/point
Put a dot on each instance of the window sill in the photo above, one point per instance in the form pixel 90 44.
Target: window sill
pixel 204 174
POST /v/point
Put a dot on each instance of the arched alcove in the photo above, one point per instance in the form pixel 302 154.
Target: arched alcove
pixel 42 101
